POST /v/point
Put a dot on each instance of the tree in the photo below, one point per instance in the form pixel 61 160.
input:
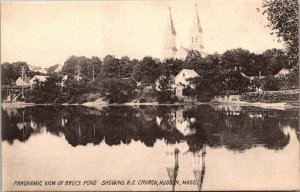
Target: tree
pixel 212 62
pixel 270 83
pixel 209 84
pixel 71 66
pixel 165 93
pixel 74 88
pixel 111 67
pixel 6 73
pixel 115 90
pixel 283 20
pixel 127 66
pixel 203 88
pixel 82 65
pixel 193 60
pixel 11 72
pixel 235 82
pixel 275 60
pixel 237 58
pixel 172 66
pixel 95 67
pixel 46 92
pixel 147 71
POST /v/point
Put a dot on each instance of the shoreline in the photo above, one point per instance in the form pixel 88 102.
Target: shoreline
pixel 279 106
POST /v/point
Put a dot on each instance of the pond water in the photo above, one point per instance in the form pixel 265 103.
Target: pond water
pixel 176 148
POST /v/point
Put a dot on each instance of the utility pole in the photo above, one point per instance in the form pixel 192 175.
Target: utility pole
pixel 93 73
pixel 78 73
pixel 22 82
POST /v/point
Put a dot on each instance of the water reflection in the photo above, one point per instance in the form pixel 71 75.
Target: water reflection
pixel 235 128
pixel 238 129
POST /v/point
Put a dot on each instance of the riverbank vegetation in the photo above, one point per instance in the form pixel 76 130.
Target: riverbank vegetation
pixel 271 96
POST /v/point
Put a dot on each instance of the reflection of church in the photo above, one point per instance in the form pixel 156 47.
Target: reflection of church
pixel 173 166
pixel 198 166
pixel 169 47
pixel 197 149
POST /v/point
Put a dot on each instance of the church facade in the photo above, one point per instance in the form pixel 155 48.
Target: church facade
pixel 170 49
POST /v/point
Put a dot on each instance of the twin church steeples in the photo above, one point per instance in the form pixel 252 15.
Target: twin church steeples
pixel 169 47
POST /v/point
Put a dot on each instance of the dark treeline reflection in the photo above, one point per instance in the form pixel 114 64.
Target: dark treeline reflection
pixel 236 128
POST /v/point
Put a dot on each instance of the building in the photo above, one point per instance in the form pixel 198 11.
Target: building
pixel 21 82
pixel 169 47
pixel 38 78
pixel 181 81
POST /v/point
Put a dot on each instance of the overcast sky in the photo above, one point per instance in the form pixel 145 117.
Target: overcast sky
pixel 47 33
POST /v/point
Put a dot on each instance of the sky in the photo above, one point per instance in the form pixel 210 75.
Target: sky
pixel 47 33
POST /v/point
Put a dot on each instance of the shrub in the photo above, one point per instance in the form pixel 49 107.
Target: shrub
pixel 270 96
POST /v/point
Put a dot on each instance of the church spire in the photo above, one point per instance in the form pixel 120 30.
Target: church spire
pixel 196 33
pixel 172 23
pixel 197 20
pixel 169 48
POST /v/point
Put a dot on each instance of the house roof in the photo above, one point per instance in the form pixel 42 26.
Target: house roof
pixel 188 73
pixel 283 72
pixel 39 77
pixel 26 79
pixel 252 77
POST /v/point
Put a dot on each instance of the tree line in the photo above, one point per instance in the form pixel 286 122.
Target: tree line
pixel 116 79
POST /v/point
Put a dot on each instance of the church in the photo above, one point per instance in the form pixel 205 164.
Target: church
pixel 170 49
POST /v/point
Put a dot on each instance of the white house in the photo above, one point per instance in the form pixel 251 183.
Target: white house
pixel 40 78
pixel 181 80
pixel 25 82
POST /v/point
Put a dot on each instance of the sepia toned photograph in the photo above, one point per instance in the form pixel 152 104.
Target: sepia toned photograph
pixel 156 95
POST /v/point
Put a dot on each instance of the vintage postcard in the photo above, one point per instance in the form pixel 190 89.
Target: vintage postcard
pixel 156 95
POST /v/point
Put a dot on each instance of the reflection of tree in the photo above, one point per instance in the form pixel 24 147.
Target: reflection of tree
pixel 115 125
pixel 253 126
pixel 167 125
pixel 16 126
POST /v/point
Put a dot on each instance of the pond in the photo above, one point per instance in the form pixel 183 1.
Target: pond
pixel 206 147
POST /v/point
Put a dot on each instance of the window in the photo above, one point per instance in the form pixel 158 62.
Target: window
pixel 183 75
